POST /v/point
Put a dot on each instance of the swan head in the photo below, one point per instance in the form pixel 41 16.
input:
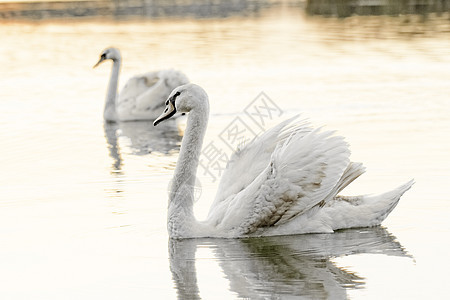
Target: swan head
pixel 109 53
pixel 184 99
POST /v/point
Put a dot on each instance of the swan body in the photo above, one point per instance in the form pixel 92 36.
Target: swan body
pixel 289 181
pixel 143 95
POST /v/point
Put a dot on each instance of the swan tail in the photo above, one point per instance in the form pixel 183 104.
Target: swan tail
pixel 363 211
pixel 353 171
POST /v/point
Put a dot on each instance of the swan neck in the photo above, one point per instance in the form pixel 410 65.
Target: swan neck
pixel 110 104
pixel 181 199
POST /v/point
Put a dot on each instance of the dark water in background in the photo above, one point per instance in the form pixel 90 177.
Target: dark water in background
pixel 35 9
pixel 83 206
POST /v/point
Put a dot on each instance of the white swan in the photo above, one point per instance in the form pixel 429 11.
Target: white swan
pixel 285 181
pixel 142 97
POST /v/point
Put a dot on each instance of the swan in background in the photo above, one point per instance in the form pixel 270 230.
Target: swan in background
pixel 286 181
pixel 143 95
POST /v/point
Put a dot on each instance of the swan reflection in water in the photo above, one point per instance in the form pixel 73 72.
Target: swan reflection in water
pixel 142 138
pixel 271 267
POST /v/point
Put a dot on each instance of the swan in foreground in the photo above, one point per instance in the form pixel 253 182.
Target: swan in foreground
pixel 142 97
pixel 286 181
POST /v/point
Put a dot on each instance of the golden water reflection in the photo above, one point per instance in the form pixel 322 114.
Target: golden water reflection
pixel 83 205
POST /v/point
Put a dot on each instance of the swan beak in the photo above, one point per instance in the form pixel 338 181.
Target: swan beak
pixel 102 59
pixel 167 114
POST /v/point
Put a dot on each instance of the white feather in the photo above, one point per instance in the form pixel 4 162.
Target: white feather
pixel 285 181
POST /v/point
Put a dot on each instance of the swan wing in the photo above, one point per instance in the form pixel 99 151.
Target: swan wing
pixel 137 85
pixel 143 96
pixel 248 162
pixel 302 173
pixel 159 86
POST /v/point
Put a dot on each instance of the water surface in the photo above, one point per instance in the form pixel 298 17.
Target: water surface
pixel 83 205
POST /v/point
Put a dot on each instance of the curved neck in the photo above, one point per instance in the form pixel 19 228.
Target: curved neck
pixel 109 113
pixel 181 197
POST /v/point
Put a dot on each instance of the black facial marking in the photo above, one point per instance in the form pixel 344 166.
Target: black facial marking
pixel 168 116
pixel 173 98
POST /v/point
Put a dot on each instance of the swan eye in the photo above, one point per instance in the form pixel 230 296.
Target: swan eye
pixel 173 98
pixel 103 56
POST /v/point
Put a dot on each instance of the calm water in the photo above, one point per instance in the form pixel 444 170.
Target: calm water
pixel 83 205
